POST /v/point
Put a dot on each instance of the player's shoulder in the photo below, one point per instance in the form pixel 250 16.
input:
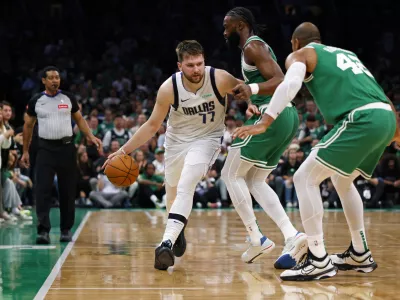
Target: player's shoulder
pixel 166 91
pixel 68 94
pixel 35 97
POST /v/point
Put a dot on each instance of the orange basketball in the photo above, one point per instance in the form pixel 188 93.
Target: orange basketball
pixel 122 170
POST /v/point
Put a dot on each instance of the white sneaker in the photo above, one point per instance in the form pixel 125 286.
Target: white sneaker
pixel 311 268
pixel 253 253
pixel 295 248
pixel 289 205
pixel 351 260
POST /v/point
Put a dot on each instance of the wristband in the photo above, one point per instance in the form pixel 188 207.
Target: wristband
pixel 122 150
pixel 254 88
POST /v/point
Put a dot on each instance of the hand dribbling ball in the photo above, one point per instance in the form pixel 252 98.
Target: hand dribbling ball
pixel 122 170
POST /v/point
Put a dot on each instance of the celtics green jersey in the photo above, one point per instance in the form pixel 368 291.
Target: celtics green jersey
pixel 252 75
pixel 340 83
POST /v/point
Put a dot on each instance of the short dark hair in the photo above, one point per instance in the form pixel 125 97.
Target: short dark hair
pixel 5 103
pixel 47 69
pixel 189 47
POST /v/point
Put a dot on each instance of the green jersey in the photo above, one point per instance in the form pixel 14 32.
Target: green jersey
pixel 252 75
pixel 340 83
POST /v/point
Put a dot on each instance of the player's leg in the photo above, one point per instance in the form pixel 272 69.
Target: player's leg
pixel 196 163
pixel 233 174
pixel 358 256
pixel 375 131
pixel 295 242
pixel 179 213
pixel 307 180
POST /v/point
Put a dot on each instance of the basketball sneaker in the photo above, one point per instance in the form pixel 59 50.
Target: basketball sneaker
pixel 351 260
pixel 164 257
pixel 311 268
pixel 180 244
pixel 295 248
pixel 254 253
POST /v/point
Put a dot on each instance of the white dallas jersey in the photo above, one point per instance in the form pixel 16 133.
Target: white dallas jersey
pixel 197 115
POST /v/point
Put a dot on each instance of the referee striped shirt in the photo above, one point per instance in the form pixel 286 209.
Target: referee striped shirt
pixel 53 113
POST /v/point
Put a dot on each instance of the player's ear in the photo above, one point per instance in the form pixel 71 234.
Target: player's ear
pixel 44 81
pixel 240 25
pixel 179 66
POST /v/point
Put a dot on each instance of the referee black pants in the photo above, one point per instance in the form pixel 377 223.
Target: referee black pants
pixel 53 158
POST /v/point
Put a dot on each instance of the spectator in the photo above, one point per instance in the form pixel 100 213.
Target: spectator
pixel 141 119
pixel 87 181
pixel 118 133
pixel 159 162
pixel 289 167
pixel 151 188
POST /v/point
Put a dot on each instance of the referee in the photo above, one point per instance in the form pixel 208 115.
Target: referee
pixel 56 153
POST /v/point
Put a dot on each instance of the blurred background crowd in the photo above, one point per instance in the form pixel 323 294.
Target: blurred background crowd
pixel 113 57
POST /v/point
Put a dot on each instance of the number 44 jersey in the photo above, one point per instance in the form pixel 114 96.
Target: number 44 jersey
pixel 341 83
pixel 196 116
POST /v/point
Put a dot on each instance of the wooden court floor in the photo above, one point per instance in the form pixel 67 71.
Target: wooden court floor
pixel 113 258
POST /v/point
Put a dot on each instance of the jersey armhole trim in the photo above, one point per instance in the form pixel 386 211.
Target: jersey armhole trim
pixel 176 96
pixel 221 99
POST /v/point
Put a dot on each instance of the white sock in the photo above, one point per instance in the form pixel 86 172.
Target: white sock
pixel 255 233
pixel 353 210
pixel 269 200
pixel 316 245
pixel 307 180
pixel 154 198
pixel 174 228
pixel 287 229
pixel 359 240
pixel 233 174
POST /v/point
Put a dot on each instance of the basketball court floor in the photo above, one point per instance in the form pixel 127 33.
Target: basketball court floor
pixel 113 256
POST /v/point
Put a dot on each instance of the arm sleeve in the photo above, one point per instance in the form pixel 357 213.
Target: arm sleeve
pixel 74 102
pixel 31 111
pixel 287 90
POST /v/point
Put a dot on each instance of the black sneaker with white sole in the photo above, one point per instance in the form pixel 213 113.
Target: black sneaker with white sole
pixel 311 268
pixel 351 260
pixel 180 244
pixel 164 257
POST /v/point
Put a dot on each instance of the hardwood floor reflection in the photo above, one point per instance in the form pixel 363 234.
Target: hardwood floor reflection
pixel 114 256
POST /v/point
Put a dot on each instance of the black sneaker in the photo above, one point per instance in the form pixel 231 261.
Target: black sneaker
pixel 311 268
pixel 180 244
pixel 43 238
pixel 164 257
pixel 351 260
pixel 66 236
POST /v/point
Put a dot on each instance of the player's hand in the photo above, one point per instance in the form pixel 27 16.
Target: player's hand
pixel 25 160
pixel 252 110
pixel 111 156
pixel 244 131
pixel 242 91
pixel 97 142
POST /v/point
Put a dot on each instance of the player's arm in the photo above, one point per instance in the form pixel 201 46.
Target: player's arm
pixel 258 54
pixel 226 84
pixel 297 64
pixel 165 98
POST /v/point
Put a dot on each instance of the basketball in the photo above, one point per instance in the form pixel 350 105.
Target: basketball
pixel 122 170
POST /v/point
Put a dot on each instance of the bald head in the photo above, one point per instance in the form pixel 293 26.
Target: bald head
pixel 306 33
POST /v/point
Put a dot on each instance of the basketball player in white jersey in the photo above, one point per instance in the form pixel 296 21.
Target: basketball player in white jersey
pixel 195 98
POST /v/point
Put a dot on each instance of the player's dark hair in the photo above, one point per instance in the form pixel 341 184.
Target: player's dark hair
pixel 189 47
pixel 47 69
pixel 244 14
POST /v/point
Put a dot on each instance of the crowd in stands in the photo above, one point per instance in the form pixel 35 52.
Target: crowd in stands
pixel 114 66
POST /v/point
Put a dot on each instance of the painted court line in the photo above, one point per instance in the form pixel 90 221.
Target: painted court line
pixel 128 288
pixel 26 247
pixel 57 267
